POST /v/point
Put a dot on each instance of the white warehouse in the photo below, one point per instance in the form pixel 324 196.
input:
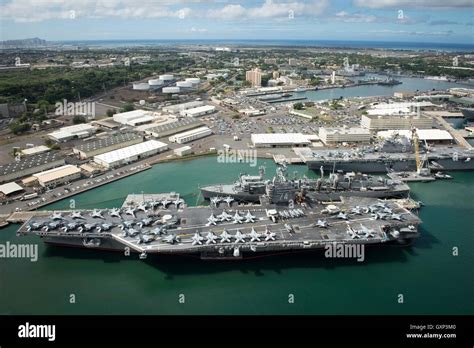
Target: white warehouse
pixel 199 111
pixel 130 153
pixel 344 135
pixel 191 135
pixel 82 130
pixel 134 118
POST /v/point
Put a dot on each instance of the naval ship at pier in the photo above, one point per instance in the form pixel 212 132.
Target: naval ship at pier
pixel 393 154
pixel 249 188
pixel 226 231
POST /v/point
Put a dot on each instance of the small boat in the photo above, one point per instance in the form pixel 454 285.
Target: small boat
pixel 440 175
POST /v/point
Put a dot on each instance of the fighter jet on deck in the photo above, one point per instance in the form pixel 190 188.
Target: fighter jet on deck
pixel 171 239
pixel 239 237
pixel 178 201
pixel 56 216
pixel 197 239
pixel 342 216
pixel 145 239
pixel 254 236
pixel 224 216
pixel 249 217
pixel 212 220
pixel 211 238
pixel 130 211
pixel 115 212
pixel 215 201
pixel 96 213
pixel 76 215
pixel 238 219
pixel 228 200
pixel 321 224
pixel 142 207
pixel 225 237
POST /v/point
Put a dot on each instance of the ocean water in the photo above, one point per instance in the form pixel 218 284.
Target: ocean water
pixel 432 46
pixel 430 278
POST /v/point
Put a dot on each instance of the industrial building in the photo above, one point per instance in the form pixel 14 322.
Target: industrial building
pixel 280 140
pixel 191 135
pixel 183 151
pixel 29 165
pixel 199 111
pixel 437 136
pixel 401 108
pixel 378 122
pixel 134 118
pixel 174 109
pixel 96 147
pixel 344 135
pixel 58 176
pixel 130 153
pixel 82 130
pixel 9 188
pixel 172 127
pixel 30 151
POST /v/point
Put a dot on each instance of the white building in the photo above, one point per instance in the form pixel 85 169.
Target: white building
pixel 130 153
pixel 183 151
pixel 82 130
pixel 58 176
pixel 191 135
pixel 400 108
pixel 172 109
pixel 344 135
pixel 35 150
pixel 379 122
pixel 280 140
pixel 134 118
pixel 428 135
pixel 199 111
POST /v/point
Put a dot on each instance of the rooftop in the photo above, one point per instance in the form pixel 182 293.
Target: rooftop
pixel 106 142
pixel 130 151
pixel 29 162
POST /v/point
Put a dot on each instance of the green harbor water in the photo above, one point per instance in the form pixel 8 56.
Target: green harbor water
pixel 430 278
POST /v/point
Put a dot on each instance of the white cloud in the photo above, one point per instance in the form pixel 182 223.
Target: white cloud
pixel 413 33
pixel 198 30
pixel 356 17
pixel 270 9
pixel 413 3
pixel 41 10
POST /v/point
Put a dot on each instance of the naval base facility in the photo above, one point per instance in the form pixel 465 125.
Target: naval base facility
pixel 163 224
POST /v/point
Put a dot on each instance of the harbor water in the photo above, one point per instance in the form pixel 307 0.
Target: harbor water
pixel 431 279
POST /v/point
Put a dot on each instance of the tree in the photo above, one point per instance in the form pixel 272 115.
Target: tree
pixel 78 119
pixel 298 106
pixel 18 127
pixel 128 107
pixel 110 112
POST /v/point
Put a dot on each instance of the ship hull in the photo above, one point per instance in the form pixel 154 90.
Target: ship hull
pixel 227 190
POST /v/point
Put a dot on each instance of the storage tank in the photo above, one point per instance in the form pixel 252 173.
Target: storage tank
pixel 194 80
pixel 166 77
pixel 185 84
pixel 155 82
pixel 141 86
pixel 142 102
pixel 170 89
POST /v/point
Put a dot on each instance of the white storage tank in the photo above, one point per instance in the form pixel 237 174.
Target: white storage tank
pixel 155 82
pixel 170 89
pixel 166 77
pixel 184 84
pixel 142 102
pixel 141 86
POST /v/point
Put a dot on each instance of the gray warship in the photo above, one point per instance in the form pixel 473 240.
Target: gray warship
pixel 166 227
pixel 393 154
pixel 282 188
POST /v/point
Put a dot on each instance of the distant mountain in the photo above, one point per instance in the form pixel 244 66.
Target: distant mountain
pixel 24 43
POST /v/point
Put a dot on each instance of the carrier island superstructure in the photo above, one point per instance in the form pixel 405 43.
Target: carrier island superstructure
pixel 162 224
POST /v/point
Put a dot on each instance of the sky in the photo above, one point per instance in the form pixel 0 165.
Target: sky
pixel 438 21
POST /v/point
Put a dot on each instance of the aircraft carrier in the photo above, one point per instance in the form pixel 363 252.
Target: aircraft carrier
pixel 390 155
pixel 281 188
pixel 225 231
